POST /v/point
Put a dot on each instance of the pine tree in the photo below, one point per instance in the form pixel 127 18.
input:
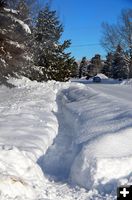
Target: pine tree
pixel 24 11
pixel 13 49
pixel 83 67
pixel 107 67
pixel 49 54
pixel 95 66
pixel 96 61
pixel 120 66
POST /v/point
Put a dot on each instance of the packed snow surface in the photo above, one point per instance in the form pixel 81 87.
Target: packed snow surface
pixel 64 140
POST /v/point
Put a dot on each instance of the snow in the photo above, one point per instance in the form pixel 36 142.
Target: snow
pixel 23 25
pixel 127 82
pixel 103 131
pixel 104 162
pixel 16 44
pixel 30 131
pixel 102 76
pixel 19 175
pixel 11 10
pixel 64 140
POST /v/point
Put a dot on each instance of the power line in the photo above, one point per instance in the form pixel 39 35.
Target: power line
pixel 85 45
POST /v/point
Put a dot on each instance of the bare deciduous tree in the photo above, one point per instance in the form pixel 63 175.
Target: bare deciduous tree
pixel 120 33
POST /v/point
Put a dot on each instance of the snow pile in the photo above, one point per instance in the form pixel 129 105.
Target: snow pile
pixel 102 135
pixel 105 162
pixel 19 175
pixel 69 132
pixel 27 128
pixel 93 113
pixel 27 115
pixel 127 82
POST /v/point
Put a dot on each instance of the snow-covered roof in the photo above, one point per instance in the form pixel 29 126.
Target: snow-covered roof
pixel 102 76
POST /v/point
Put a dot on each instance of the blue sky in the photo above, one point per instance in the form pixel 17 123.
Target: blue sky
pixel 82 21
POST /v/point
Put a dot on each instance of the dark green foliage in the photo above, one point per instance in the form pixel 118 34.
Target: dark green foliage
pixel 119 65
pixel 47 58
pixel 83 67
pixel 23 11
pixel 107 67
pixel 13 46
pixel 96 65
pixel 49 54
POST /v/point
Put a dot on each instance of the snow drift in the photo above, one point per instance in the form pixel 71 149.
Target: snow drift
pixel 102 127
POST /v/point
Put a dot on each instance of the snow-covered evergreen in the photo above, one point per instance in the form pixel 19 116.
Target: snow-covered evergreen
pixel 119 65
pixel 49 53
pixel 13 47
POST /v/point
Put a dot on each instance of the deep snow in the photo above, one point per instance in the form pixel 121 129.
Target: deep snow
pixel 58 137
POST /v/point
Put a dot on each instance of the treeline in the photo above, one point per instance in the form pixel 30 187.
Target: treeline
pixel 30 45
pixel 114 66
pixel 117 41
pixel 30 42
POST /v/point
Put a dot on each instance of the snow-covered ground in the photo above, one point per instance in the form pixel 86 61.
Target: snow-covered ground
pixel 64 140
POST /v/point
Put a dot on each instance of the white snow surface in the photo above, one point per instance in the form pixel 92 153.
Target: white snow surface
pixel 23 25
pixel 64 140
pixel 11 11
pixel 102 76
pixel 127 82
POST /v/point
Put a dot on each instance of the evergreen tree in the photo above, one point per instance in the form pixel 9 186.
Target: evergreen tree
pixel 96 61
pixel 49 54
pixel 24 11
pixel 95 66
pixel 83 67
pixel 13 49
pixel 120 66
pixel 107 67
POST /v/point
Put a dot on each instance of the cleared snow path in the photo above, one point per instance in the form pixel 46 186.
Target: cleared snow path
pixel 28 125
pixel 58 159
pixel 100 125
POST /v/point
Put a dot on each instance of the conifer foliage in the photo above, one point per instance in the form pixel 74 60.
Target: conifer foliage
pixel 39 54
pixel 49 54
pixel 13 37
pixel 119 65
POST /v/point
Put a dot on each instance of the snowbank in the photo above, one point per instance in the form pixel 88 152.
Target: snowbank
pixel 65 126
pixel 127 82
pixel 19 175
pixel 28 127
pixel 27 115
pixel 105 162
pixel 103 136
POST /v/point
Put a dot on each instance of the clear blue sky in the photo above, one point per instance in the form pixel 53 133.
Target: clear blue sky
pixel 82 21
